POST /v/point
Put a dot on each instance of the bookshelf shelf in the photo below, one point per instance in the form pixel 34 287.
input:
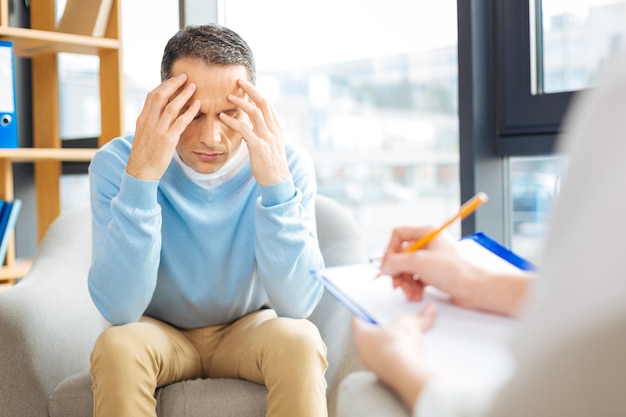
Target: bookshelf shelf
pixel 47 154
pixel 41 43
pixel 32 42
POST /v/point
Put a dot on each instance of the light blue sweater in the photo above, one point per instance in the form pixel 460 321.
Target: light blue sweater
pixel 195 257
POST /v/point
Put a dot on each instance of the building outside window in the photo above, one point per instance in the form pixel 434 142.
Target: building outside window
pixel 369 88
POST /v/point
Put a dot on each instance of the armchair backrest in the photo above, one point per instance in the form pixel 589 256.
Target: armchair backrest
pixel 339 236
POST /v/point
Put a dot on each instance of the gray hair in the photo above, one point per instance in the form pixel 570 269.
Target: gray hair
pixel 213 44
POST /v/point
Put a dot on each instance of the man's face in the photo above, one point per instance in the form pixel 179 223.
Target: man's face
pixel 207 144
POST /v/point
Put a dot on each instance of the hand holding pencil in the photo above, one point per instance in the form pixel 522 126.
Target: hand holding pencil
pixel 402 235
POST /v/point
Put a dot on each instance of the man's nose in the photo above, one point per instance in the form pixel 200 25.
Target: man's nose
pixel 211 132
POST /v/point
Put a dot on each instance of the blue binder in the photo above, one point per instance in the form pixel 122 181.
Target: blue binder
pixel 8 103
pixel 8 219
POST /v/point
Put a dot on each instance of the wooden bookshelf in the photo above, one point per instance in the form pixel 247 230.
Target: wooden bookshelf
pixel 17 268
pixel 32 42
pixel 41 44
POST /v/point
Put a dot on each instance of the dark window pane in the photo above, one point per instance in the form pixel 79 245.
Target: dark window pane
pixel 579 38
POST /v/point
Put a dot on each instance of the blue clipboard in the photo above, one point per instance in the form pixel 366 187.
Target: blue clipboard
pixel 367 272
pixel 333 290
pixel 502 251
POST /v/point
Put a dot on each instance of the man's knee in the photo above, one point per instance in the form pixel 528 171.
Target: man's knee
pixel 295 332
pixel 291 338
pixel 117 344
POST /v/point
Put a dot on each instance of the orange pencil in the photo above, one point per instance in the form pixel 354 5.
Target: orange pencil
pixel 466 209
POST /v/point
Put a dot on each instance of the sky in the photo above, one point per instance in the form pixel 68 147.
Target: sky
pixel 145 36
pixel 577 7
pixel 288 33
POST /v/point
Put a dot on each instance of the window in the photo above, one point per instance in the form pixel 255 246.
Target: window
pixel 570 42
pixel 528 123
pixel 546 50
pixel 370 89
pixel 143 42
pixel 534 183
pixel 577 39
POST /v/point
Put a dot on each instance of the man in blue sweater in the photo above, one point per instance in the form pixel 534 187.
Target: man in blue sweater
pixel 203 238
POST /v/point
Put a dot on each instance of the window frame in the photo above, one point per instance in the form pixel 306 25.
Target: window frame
pixel 481 168
pixel 499 117
pixel 528 124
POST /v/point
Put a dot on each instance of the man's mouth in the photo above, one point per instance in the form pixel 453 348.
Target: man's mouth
pixel 208 156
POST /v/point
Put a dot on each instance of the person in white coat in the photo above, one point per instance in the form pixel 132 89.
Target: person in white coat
pixel 569 348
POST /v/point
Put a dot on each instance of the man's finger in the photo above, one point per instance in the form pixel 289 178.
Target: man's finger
pixel 182 121
pixel 260 103
pixel 177 103
pixel 257 117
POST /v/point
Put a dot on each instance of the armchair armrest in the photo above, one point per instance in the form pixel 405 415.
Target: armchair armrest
pixel 47 321
pixel 341 243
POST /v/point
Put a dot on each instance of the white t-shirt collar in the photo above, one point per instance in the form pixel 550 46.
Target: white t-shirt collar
pixel 208 181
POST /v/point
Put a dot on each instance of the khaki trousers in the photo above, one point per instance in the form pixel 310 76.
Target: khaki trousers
pixel 286 355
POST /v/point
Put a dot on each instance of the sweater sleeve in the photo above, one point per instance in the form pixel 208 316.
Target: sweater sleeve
pixel 286 244
pixel 126 244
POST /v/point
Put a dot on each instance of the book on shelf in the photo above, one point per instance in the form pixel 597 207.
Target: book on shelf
pixel 9 212
pixel 8 103
pixel 85 17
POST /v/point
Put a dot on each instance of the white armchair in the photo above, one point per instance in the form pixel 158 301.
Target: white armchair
pixel 48 325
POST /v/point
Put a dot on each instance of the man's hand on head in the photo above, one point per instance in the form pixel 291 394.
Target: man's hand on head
pixel 264 138
pixel 166 113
